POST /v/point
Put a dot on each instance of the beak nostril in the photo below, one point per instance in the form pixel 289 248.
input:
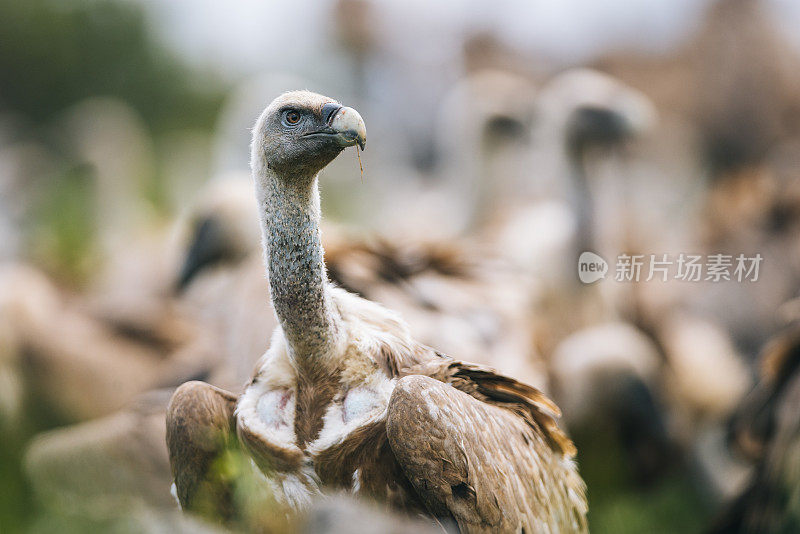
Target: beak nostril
pixel 328 111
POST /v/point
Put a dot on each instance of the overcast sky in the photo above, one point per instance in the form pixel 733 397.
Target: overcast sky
pixel 244 36
pixel 228 33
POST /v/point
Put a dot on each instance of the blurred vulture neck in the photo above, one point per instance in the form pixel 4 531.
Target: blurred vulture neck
pixel 581 201
pixel 290 217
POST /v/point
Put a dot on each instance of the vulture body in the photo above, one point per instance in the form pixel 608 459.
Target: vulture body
pixel 603 370
pixel 625 353
pixel 766 430
pixel 345 397
pixel 54 353
pixel 114 463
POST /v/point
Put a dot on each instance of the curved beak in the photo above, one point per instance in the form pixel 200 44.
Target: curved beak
pixel 344 126
pixel 349 128
pixel 641 114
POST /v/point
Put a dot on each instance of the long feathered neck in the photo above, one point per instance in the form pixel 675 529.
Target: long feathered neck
pixel 581 200
pixel 290 217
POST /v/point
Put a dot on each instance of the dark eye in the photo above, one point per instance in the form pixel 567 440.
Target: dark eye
pixel 292 117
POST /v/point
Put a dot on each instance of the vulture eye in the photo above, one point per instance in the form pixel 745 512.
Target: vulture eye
pixel 292 117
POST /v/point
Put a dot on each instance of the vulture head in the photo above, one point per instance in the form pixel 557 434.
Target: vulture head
pixel 224 227
pixel 300 132
pixel 487 109
pixel 597 126
pixel 594 109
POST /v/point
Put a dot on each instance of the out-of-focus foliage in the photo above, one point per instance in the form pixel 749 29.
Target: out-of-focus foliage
pixel 54 53
pixel 63 237
pixel 17 503
pixel 616 504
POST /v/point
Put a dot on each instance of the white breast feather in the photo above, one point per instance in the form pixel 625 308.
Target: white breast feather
pixel 368 405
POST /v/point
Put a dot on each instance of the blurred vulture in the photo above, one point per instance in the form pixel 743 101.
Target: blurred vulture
pixel 88 354
pixel 119 460
pixel 130 283
pixel 609 367
pixel 221 280
pixel 74 364
pixel 766 430
pixel 23 166
pixel 615 366
pixel 483 135
pixel 746 85
pixel 757 211
pixel 582 117
pixel 231 319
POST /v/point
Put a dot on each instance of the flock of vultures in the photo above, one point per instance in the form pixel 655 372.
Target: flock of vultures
pixel 263 368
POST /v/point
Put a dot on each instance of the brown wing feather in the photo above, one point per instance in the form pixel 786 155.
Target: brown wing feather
pixel 481 464
pixel 200 425
pixel 486 385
